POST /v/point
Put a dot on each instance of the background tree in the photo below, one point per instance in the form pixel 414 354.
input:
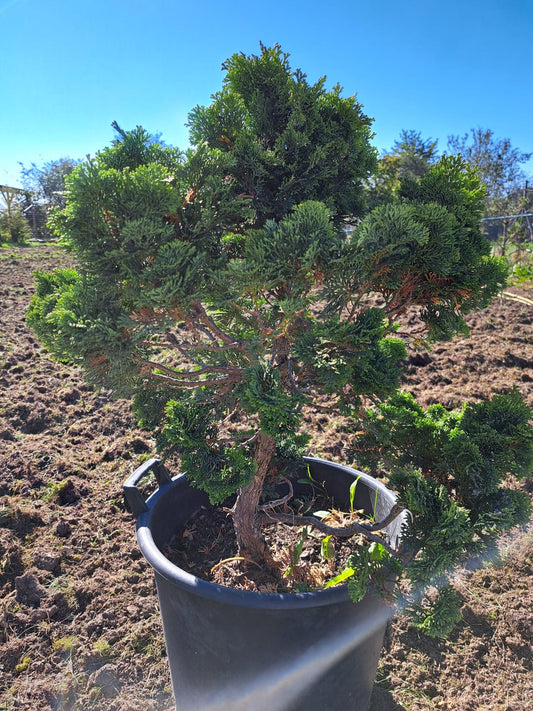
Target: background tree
pixel 410 158
pixel 498 164
pixel 13 224
pixel 45 186
pixel 415 154
pixel 47 182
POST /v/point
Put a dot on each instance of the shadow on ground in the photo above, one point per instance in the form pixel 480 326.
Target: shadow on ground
pixel 382 700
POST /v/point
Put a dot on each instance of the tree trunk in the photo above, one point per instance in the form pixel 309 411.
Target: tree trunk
pixel 245 514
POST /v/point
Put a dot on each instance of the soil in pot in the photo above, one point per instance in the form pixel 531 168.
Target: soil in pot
pixel 207 548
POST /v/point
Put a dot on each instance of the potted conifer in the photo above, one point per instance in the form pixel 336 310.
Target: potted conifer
pixel 219 290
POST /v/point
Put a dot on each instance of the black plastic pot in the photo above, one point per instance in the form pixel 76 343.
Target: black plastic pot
pixel 245 651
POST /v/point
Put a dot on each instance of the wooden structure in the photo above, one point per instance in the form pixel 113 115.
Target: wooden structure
pixel 10 196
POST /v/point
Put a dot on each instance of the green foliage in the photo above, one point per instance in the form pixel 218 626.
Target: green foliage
pixel 520 260
pixel 425 250
pixel 80 321
pixel 286 253
pixel 440 533
pixel 263 394
pixel 327 549
pixel 523 273
pixel 501 442
pixel 217 289
pixel 297 550
pixel 410 157
pixel 201 270
pixel 289 141
pixel 338 352
pixel 416 154
pixel 469 450
pixel 495 160
pixel 191 429
pixel 371 566
pixel 439 618
pixel 449 470
pixel 14 227
pixel 49 307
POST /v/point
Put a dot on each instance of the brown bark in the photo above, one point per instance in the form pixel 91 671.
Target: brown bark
pixel 246 518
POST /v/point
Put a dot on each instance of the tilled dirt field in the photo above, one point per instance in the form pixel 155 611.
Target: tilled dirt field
pixel 79 624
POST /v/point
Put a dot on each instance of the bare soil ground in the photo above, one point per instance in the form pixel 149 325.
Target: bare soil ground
pixel 79 624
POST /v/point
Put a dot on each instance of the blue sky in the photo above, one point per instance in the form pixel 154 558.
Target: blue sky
pixel 71 67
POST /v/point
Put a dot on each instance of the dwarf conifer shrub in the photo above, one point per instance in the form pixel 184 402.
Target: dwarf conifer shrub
pixel 451 469
pixel 218 289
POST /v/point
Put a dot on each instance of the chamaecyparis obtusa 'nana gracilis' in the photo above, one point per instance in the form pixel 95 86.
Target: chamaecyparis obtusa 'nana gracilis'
pixel 218 289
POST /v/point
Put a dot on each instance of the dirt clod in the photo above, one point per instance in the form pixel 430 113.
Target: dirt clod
pixel 105 678
pixel 47 561
pixel 63 529
pixel 29 590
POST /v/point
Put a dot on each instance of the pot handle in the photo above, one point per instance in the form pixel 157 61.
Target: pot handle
pixel 134 498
